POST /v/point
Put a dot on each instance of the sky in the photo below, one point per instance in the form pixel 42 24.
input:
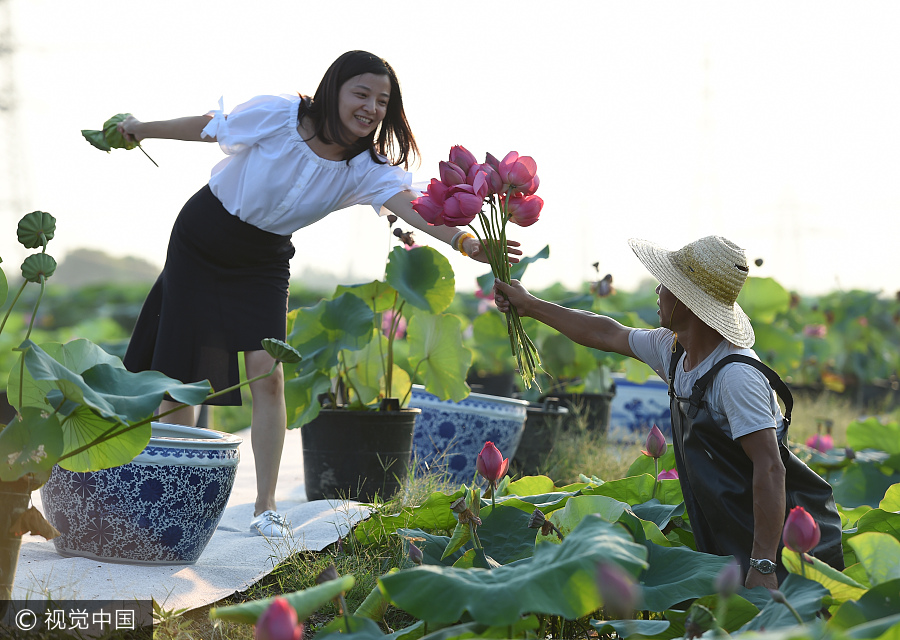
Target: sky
pixel 774 124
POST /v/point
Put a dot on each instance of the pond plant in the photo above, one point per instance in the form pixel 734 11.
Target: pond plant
pixel 616 562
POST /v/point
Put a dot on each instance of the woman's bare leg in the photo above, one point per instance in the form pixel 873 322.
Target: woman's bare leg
pixel 269 423
pixel 186 415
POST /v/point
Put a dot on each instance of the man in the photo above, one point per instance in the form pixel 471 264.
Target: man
pixel 731 462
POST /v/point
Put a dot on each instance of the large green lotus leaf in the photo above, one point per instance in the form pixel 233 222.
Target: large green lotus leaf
pixel 433 514
pixel 891 500
pixel 467 630
pixel 557 580
pixel 872 434
pixel 644 530
pixel 96 138
pixel 656 512
pixel 516 271
pixel 505 534
pixel 77 355
pixel 638 489
pixel 30 443
pixel 879 553
pixel 83 427
pixel 676 574
pixel 365 370
pixel 111 390
pixel 301 397
pixel 111 132
pixel 578 508
pixel 646 464
pixel 840 585
pixel 305 602
pixel 863 483
pixel 887 628
pixel 804 595
pixel 422 276
pixel 546 502
pixel 763 299
pixel 491 341
pixel 628 628
pixel 379 295
pixel 881 521
pixel 322 331
pixel 878 602
pixel 531 485
pixel 437 353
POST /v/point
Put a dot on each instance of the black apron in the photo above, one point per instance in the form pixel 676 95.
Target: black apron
pixel 717 476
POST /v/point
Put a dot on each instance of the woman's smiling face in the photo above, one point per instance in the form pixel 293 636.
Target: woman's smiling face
pixel 362 103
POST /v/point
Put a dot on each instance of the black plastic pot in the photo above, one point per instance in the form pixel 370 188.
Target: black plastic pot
pixel 542 426
pixel 588 411
pixel 357 455
pixel 493 384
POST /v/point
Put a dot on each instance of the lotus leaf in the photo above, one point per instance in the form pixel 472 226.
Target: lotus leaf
pixel 36 229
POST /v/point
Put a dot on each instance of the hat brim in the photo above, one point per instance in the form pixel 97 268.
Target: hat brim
pixel 729 320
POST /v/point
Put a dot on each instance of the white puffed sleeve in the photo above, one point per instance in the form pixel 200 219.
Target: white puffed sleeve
pixel 381 183
pixel 247 123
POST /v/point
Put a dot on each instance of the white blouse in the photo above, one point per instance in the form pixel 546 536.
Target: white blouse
pixel 274 181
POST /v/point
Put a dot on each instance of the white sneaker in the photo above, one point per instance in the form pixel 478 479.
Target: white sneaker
pixel 270 524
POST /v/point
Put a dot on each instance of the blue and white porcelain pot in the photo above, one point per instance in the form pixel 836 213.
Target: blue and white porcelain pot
pixel 450 435
pixel 637 407
pixel 161 508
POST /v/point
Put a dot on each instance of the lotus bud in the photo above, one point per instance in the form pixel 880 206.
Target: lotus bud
pixel 778 596
pixel 491 464
pixel 671 474
pixel 656 444
pixel 278 622
pixel 415 554
pixel 801 532
pixel 729 579
pixel 618 589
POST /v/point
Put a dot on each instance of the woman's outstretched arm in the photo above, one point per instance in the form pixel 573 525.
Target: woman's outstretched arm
pixel 187 128
pixel 401 204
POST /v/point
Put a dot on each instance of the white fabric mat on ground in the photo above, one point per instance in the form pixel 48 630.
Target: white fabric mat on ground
pixel 234 559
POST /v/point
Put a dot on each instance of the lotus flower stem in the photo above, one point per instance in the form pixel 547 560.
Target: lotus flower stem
pixel 148 155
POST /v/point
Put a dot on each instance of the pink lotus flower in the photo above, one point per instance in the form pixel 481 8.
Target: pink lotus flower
pixel 524 210
pixel 431 205
pixel 451 174
pixel 494 183
pixel 729 579
pixel 387 321
pixel 801 532
pixel 815 330
pixel 462 158
pixel 491 464
pixel 656 444
pixel 517 171
pixel 461 207
pixel 278 622
pixel 820 442
pixel 671 474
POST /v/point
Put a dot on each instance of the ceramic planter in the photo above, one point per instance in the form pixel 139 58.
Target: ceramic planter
pixel 637 407
pixel 450 435
pixel 357 454
pixel 161 508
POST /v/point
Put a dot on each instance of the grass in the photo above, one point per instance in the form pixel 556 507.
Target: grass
pixel 577 450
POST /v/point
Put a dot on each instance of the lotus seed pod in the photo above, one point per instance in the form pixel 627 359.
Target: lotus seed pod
pixel 281 351
pixel 38 267
pixel 34 228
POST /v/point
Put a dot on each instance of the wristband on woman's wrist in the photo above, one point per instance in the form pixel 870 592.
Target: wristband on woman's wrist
pixel 455 238
pixel 459 243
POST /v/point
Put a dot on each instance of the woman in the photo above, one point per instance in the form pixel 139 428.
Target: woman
pixel 291 161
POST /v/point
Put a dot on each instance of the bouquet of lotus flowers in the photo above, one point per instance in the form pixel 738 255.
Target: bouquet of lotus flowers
pixel 506 189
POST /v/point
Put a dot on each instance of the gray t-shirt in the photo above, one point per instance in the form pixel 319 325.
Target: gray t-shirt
pixel 739 396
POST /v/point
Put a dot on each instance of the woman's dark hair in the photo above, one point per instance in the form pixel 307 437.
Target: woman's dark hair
pixel 395 139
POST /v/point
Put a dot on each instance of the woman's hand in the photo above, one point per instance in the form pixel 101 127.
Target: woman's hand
pixel 128 128
pixel 474 249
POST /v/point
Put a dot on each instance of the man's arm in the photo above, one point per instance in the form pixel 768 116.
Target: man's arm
pixel 586 328
pixel 768 501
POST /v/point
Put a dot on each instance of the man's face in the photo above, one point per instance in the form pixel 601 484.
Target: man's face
pixel 667 303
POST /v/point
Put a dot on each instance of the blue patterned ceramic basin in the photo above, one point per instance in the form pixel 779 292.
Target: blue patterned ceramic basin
pixel 636 407
pixel 161 508
pixel 450 435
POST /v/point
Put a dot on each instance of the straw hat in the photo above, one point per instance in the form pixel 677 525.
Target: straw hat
pixel 707 276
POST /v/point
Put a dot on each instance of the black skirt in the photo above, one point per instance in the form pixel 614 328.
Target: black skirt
pixel 224 288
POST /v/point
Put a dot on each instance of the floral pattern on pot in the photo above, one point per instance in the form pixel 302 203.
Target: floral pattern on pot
pixel 450 435
pixel 161 508
pixel 637 407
